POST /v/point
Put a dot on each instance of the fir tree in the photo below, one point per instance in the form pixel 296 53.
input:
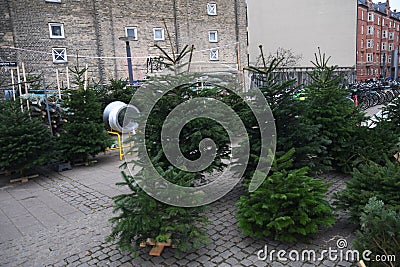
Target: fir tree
pixel 139 215
pixel 294 128
pixel 24 142
pixel 330 109
pixel 84 135
pixel 371 180
pixel 288 206
pixel 379 233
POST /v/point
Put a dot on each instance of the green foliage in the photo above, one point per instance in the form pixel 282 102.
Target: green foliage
pixel 369 144
pixel 371 180
pixel 288 206
pixel 379 233
pixel 393 114
pixel 84 135
pixel 294 128
pixel 24 142
pixel 328 107
pixel 140 217
pixel 117 90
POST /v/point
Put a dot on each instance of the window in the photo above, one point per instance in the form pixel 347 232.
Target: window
pixel 56 30
pixel 131 32
pixel 214 54
pixel 212 9
pixel 213 36
pixel 158 34
pixel 379 20
pixel 384 34
pixel 362 15
pixel 370 16
pixel 391 46
pixel 389 59
pixel 378 33
pixel 383 46
pixel 362 43
pixel 59 55
pixel 391 36
pixel 370 43
pixel 370 30
pixel 369 57
pixel 362 29
pixel 378 46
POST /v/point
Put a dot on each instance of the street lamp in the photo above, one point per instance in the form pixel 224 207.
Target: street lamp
pixel 128 56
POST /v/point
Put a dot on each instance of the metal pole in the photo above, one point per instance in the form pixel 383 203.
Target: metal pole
pixel 129 58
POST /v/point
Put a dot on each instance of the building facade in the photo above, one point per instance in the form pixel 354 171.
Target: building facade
pixel 378 41
pixel 50 36
pixel 303 27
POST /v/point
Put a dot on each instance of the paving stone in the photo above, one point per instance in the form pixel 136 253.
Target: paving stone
pixel 217 259
pixel 72 259
pixel 72 240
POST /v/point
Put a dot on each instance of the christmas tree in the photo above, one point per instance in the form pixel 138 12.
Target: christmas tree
pixel 24 142
pixel 84 135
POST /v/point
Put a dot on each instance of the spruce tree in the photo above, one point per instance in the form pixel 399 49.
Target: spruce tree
pixel 140 216
pixel 84 135
pixel 379 233
pixel 24 142
pixel 288 206
pixel 294 128
pixel 329 108
pixel 371 180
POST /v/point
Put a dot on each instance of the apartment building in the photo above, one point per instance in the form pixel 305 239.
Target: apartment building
pixel 49 36
pixel 378 33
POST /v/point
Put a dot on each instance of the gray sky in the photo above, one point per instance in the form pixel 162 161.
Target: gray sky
pixel 394 4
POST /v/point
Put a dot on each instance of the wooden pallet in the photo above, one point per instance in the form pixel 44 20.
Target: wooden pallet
pixel 158 247
pixel 24 179
pixel 81 163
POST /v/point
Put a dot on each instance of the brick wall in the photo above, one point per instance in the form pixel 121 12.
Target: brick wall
pixel 93 28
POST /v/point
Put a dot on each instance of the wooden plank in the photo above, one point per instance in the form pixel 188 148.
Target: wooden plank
pixel 23 179
pixel 156 250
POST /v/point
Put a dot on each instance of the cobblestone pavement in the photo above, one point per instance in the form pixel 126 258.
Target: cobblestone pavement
pixel 61 219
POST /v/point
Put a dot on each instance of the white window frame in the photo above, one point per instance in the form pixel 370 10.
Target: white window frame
pixel 391 35
pixel 370 30
pixel 162 38
pixel 212 9
pixel 370 16
pixel 56 24
pixel 384 46
pixel 378 46
pixel 134 28
pixel 214 55
pixel 379 20
pixel 210 34
pixel 391 46
pixel 370 57
pixel 370 43
pixel 59 52
pixel 362 29
pixel 384 34
pixel 389 59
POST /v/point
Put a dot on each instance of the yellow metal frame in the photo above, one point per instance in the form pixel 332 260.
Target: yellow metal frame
pixel 119 147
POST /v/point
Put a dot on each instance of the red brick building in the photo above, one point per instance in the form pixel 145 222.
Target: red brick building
pixel 378 31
